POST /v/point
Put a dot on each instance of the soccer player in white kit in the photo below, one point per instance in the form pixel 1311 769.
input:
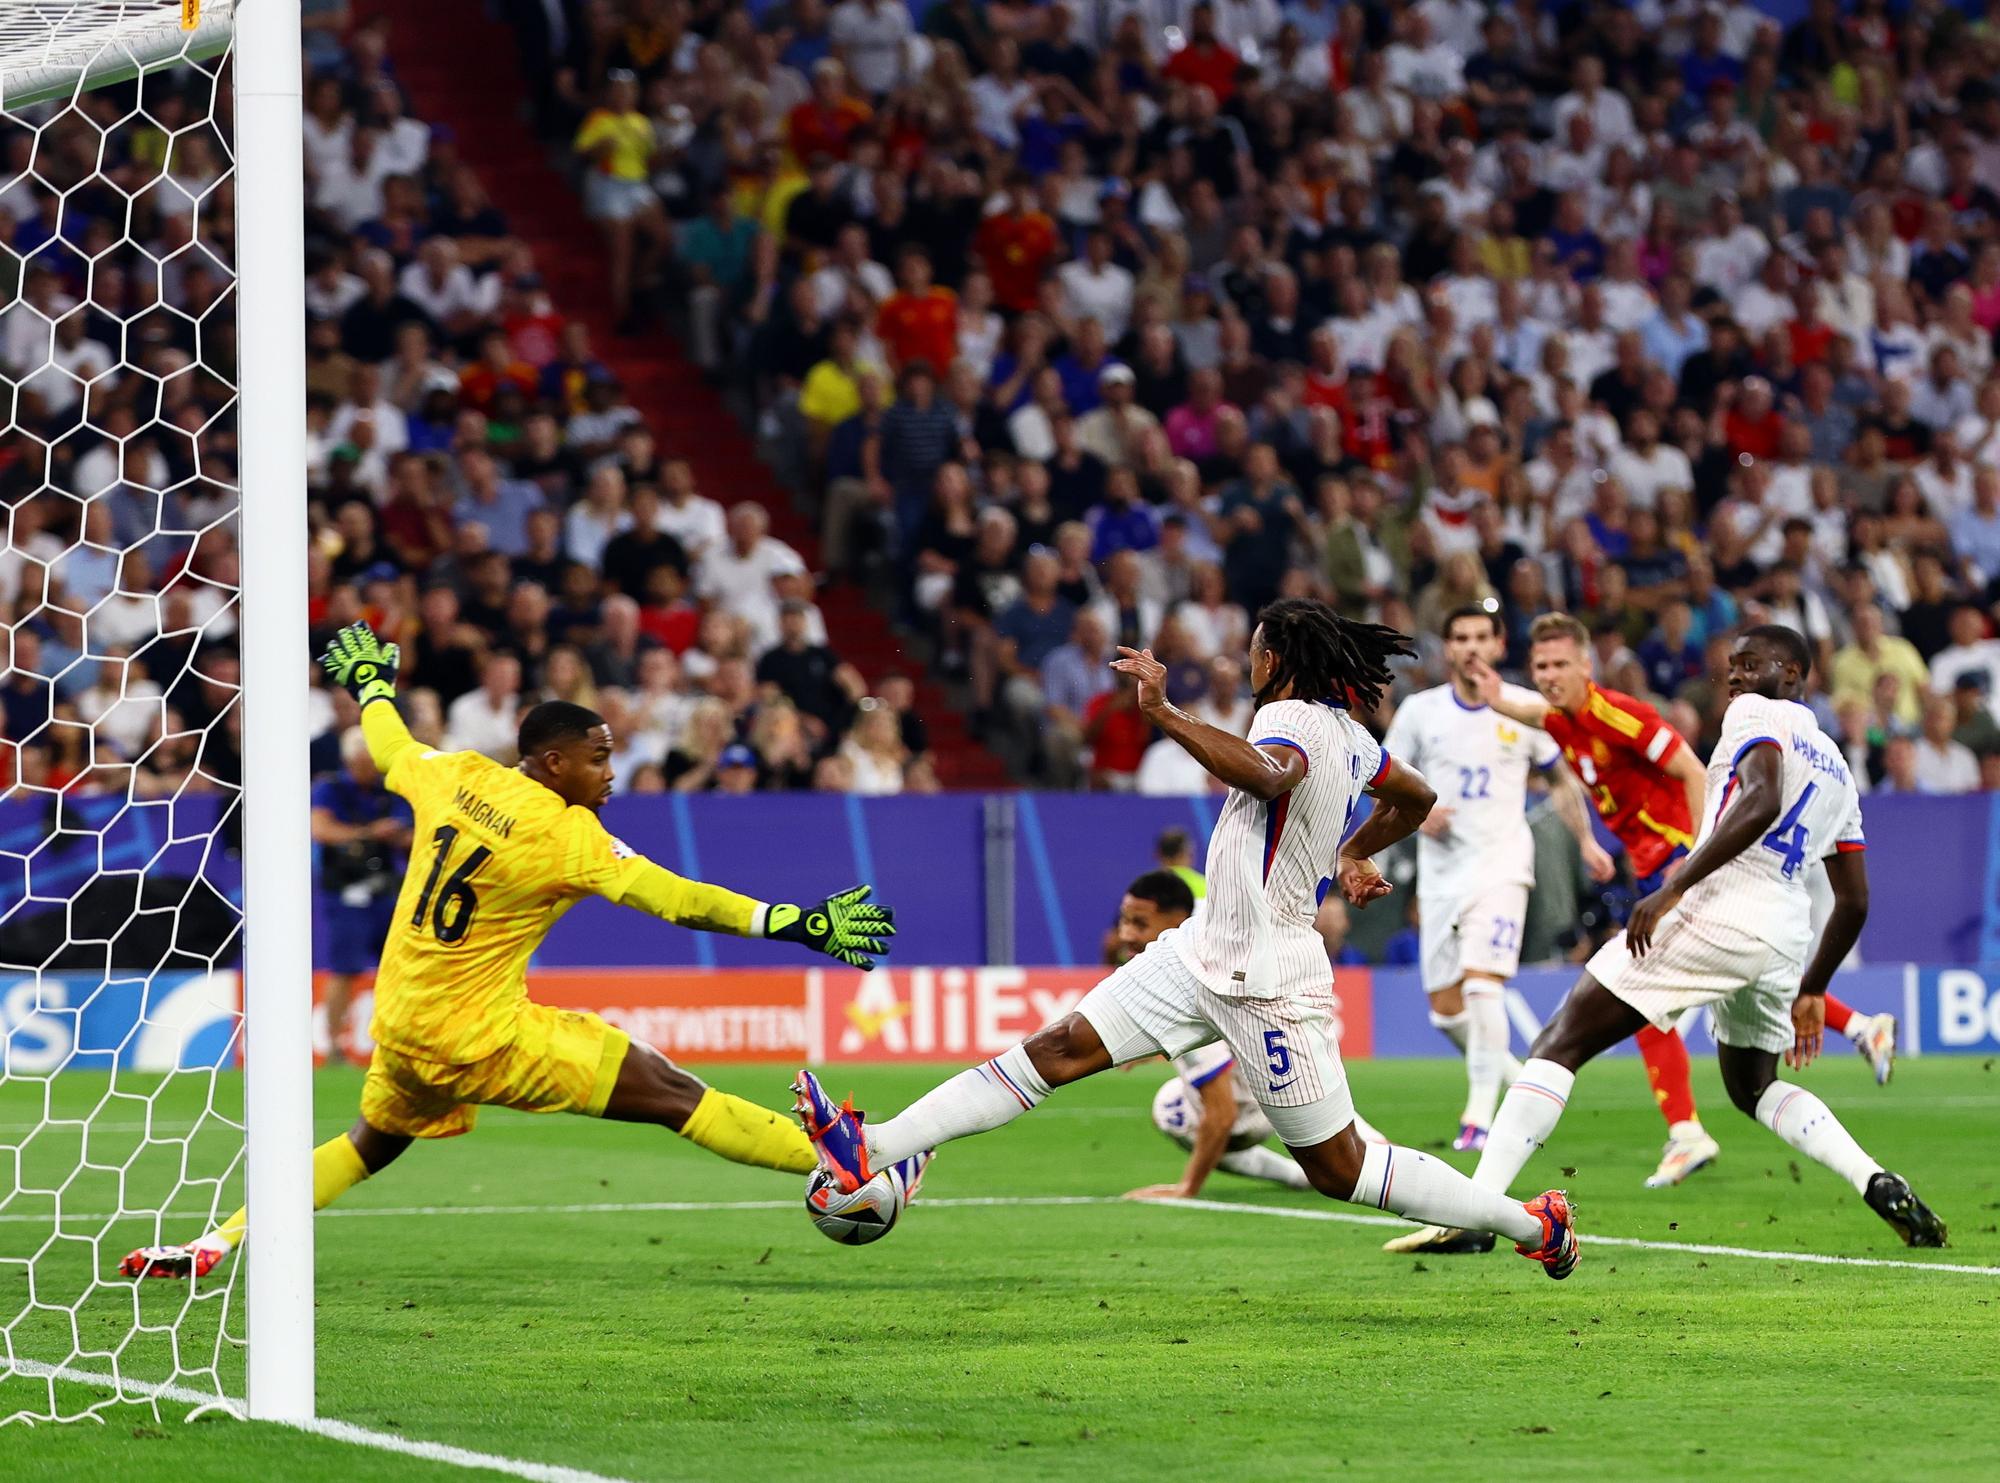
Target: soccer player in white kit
pixel 1248 967
pixel 1209 1106
pixel 1476 853
pixel 1730 931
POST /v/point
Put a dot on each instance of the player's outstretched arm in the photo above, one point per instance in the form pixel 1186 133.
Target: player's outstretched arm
pixel 1211 1142
pixel 1263 773
pixel 1403 800
pixel 1511 704
pixel 1760 784
pixel 847 925
pixel 361 664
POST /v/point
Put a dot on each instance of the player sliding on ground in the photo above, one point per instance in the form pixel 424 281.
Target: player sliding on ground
pixel 1248 967
pixel 1209 1106
pixel 1730 931
pixel 1476 853
pixel 1649 788
pixel 501 854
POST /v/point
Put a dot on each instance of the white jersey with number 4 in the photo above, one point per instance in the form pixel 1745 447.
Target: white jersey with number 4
pixel 1763 891
pixel 1478 761
pixel 1253 933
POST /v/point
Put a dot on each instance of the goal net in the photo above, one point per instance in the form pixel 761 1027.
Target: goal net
pixel 124 663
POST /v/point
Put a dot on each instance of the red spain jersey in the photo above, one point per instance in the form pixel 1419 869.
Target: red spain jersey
pixel 1619 747
pixel 920 327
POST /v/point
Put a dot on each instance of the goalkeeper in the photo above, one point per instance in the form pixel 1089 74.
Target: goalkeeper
pixel 500 854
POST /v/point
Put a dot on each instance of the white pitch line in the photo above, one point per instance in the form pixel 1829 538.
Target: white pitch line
pixel 1694 1248
pixel 333 1431
pixel 1226 1207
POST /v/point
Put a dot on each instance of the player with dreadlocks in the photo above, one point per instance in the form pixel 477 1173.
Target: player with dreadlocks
pixel 1247 968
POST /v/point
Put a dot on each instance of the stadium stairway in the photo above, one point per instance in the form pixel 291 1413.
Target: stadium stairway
pixel 449 56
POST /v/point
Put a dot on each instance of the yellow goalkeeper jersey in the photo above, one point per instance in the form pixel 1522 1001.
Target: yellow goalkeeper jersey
pixel 497 859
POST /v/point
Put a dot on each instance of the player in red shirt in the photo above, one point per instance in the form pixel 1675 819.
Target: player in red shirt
pixel 1648 787
pixel 920 320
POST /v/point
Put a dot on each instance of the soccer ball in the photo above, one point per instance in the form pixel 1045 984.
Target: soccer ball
pixel 868 1213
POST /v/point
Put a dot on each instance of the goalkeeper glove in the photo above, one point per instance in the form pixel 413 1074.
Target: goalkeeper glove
pixel 844 926
pixel 361 663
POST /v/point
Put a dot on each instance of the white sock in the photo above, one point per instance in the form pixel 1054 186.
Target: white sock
pixel 1485 1053
pixel 977 1100
pixel 1426 1189
pixel 1266 1163
pixel 1367 1132
pixel 1451 1026
pixel 1808 1124
pixel 1533 1107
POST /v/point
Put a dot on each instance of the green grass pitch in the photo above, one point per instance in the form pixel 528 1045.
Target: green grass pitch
pixel 1031 1341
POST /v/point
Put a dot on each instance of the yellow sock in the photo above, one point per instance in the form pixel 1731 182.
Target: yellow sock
pixel 337 1168
pixel 745 1133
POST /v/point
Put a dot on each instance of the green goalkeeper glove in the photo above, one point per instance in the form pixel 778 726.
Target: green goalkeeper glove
pixel 361 663
pixel 844 926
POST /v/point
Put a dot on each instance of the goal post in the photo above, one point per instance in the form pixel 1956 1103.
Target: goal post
pixel 277 881
pixel 155 884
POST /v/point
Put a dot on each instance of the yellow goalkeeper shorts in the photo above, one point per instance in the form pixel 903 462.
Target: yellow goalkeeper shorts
pixel 560 1060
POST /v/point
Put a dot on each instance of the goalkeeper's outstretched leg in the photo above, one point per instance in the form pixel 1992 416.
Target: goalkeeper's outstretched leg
pixel 338 1165
pixel 643 1087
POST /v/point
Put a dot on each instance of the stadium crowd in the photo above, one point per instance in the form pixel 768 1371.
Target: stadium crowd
pixel 480 490
pixel 1104 322
pixel 1074 326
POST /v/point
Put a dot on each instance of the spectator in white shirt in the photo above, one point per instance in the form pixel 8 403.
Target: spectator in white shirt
pixel 691 518
pixel 1944 479
pixel 851 282
pixel 1728 256
pixel 366 400
pixel 1423 66
pixel 1970 652
pixel 872 37
pixel 1943 398
pixel 405 142
pixel 597 517
pixel 1247 27
pixel 1942 764
pixel 487 719
pixel 74 362
pixel 736 577
pixel 444 288
pixel 1646 466
pixel 1610 114
pixel 350 186
pixel 1465 199
pixel 1097 288
pixel 1001 96
pixel 328 128
pixel 1766 301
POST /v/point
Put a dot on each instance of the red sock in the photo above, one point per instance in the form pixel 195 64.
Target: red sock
pixel 1666 1058
pixel 1837 1015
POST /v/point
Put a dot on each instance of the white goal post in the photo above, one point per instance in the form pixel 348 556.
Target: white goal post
pixel 164 1181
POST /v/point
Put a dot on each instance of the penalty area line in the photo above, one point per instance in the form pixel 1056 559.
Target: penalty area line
pixel 1223 1207
pixel 334 1431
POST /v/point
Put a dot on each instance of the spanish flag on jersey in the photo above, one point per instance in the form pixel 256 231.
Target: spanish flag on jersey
pixel 497 859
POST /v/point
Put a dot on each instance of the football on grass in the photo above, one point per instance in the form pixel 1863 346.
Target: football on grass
pixel 856 1219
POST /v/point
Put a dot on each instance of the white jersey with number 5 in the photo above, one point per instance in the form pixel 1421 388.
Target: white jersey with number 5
pixel 1763 891
pixel 1253 933
pixel 1478 762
